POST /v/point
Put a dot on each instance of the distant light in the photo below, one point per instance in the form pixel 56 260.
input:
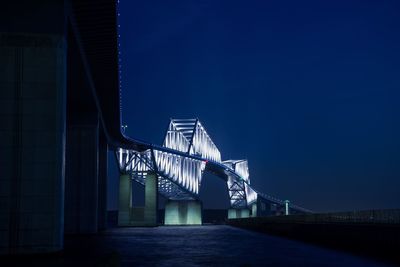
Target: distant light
pixel 124 128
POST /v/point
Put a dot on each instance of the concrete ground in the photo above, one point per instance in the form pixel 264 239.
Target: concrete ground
pixel 213 245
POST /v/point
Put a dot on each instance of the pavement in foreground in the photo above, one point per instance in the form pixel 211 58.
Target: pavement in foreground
pixel 214 245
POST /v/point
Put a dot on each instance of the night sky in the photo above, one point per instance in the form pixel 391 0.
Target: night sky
pixel 307 91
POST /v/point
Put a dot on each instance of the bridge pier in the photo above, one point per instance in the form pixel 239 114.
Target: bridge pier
pixel 138 216
pixel 287 202
pixel 238 213
pixel 264 207
pixel 33 95
pixel 151 200
pixel 124 210
pixel 85 174
pixel 183 212
pixel 254 210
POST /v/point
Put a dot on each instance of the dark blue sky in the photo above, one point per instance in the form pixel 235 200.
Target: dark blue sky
pixel 307 91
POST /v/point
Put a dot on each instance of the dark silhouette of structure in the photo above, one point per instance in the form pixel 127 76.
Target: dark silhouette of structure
pixel 59 111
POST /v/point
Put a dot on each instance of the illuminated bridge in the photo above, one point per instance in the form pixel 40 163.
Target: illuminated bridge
pixel 175 170
pixel 61 115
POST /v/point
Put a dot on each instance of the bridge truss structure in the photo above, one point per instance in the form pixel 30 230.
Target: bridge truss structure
pixel 186 153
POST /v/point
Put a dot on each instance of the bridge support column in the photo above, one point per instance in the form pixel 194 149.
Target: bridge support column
pixel 254 210
pixel 102 187
pixel 81 175
pixel 124 200
pixel 287 202
pixel 187 212
pixel 32 126
pixel 151 200
pixel 238 213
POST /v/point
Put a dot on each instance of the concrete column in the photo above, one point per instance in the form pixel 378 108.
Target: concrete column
pixel 32 133
pixel 124 200
pixel 244 213
pixel 151 200
pixel 83 149
pixel 232 214
pixel 81 183
pixel 238 213
pixel 287 202
pixel 178 212
pixel 103 169
pixel 254 210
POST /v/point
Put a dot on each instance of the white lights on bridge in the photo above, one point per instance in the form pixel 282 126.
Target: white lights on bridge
pixel 240 192
pixel 240 167
pixel 251 194
pixel 189 136
pixel 186 172
pixel 237 193
pixel 203 145
pixel 175 139
pixel 130 160
pixel 180 163
pixel 179 175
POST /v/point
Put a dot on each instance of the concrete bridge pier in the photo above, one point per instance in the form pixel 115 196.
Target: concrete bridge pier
pixel 238 213
pixel 264 207
pixel 287 209
pixel 151 200
pixel 32 127
pixel 254 210
pixel 183 212
pixel 138 216
pixel 124 200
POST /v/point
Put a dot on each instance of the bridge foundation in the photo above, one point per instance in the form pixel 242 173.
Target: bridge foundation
pixel 178 212
pixel 138 216
pixel 151 200
pixel 254 210
pixel 238 213
pixel 124 200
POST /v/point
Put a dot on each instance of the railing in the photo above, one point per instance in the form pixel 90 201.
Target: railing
pixel 391 216
pixel 367 216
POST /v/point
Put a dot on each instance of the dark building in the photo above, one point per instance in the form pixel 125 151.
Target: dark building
pixel 59 114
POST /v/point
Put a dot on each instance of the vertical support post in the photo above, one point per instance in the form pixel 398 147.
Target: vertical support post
pixel 32 126
pixel 238 213
pixel 232 214
pixel 151 200
pixel 254 209
pixel 81 182
pixel 287 207
pixel 102 173
pixel 124 200
pixel 178 212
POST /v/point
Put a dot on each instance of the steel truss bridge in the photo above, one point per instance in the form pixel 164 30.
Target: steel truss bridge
pixel 186 153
